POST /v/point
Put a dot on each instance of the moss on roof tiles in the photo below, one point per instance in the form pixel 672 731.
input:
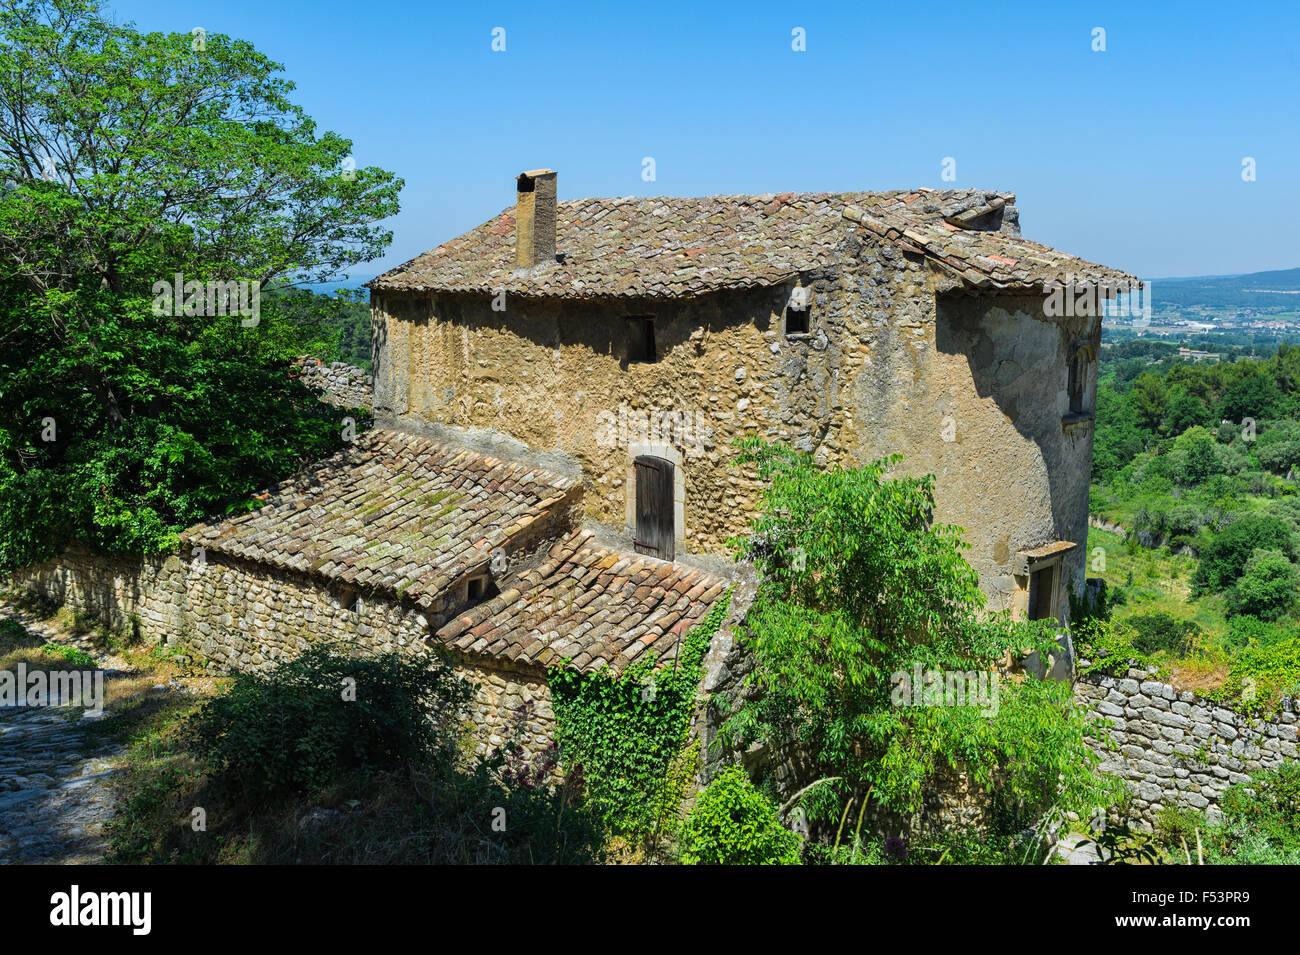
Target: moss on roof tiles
pixel 341 512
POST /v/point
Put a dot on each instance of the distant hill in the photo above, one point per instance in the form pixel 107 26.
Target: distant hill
pixel 1278 289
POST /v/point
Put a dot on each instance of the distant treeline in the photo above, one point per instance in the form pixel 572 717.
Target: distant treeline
pixel 339 321
pixel 1203 454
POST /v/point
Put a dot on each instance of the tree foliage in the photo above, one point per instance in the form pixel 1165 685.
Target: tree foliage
pixel 128 159
pixel 858 586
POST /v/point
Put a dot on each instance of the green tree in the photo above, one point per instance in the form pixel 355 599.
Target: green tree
pixel 1254 395
pixel 1224 558
pixel 1149 400
pixel 858 587
pixel 1117 441
pixel 127 158
pixel 1267 588
pixel 1185 411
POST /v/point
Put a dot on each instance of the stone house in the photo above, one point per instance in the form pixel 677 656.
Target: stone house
pixel 636 338
pixel 550 479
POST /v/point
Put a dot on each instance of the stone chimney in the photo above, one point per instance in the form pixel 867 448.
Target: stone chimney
pixel 535 218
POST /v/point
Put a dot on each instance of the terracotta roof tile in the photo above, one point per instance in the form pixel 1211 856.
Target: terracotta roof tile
pixel 588 623
pixel 670 247
pixel 393 511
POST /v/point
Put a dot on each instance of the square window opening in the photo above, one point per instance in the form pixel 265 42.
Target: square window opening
pixel 641 339
pixel 347 598
pixel 798 321
pixel 478 589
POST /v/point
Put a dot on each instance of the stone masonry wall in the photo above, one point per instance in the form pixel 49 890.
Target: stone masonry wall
pixel 900 361
pixel 338 382
pixel 1175 749
pixel 228 615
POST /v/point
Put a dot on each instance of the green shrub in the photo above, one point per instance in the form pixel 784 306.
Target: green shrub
pixel 14 636
pixel 860 588
pixel 1178 824
pixel 1244 630
pixel 325 714
pixel 734 824
pixel 1223 560
pixel 1108 647
pixel 1268 805
pixel 1260 674
pixel 74 655
pixel 1162 631
pixel 1266 588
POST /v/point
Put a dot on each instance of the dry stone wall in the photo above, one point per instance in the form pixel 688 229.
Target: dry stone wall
pixel 337 382
pixel 1173 748
pixel 229 615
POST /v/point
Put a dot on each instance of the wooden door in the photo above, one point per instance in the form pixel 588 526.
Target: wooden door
pixel 654 507
pixel 1042 593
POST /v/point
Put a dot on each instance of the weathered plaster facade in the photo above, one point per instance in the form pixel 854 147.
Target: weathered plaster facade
pixel 899 360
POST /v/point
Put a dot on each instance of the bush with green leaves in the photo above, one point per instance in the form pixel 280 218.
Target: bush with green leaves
pixel 1157 630
pixel 1260 674
pixel 326 714
pixel 1224 558
pixel 1244 630
pixel 1269 804
pixel 1260 823
pixel 1267 587
pixel 858 585
pixel 732 823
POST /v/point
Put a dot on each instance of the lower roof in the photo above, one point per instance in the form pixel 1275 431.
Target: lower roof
pixel 588 608
pixel 393 512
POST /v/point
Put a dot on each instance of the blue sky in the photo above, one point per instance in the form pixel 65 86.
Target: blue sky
pixel 1131 157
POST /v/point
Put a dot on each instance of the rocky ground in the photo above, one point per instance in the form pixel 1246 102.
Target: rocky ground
pixel 55 768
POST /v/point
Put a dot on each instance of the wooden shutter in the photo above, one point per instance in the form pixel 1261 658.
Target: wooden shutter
pixel 654 507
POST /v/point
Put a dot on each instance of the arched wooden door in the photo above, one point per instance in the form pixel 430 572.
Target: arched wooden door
pixel 654 507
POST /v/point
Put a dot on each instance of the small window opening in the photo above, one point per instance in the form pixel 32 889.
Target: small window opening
pixel 798 321
pixel 641 339
pixel 1078 373
pixel 347 598
pixel 478 589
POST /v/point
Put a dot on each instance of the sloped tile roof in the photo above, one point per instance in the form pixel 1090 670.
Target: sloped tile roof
pixel 588 608
pixel 672 247
pixel 392 512
pixel 985 259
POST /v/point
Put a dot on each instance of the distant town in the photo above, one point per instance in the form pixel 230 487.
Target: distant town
pixel 1202 314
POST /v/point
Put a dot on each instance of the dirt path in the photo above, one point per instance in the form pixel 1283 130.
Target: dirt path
pixel 54 772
